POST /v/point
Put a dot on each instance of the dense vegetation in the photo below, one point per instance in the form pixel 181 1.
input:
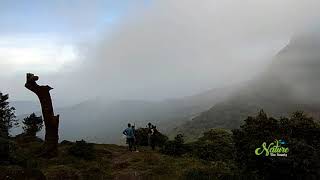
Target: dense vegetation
pixel 7 116
pixel 301 134
pixel 142 137
pixel 7 120
pixel 217 154
pixel 82 149
pixel 236 150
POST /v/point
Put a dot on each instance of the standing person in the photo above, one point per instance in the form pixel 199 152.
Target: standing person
pixel 134 139
pixel 149 133
pixel 129 133
pixel 153 137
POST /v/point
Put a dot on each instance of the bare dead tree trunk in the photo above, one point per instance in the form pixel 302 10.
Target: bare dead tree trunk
pixel 51 121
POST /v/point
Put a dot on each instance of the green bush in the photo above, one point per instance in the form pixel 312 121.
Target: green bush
pixel 65 142
pixel 82 149
pixel 160 139
pixel 216 144
pixel 300 133
pixel 32 124
pixel 175 147
pixel 142 137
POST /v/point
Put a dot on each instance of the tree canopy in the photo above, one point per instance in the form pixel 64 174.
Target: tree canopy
pixel 32 124
pixel 7 115
pixel 299 132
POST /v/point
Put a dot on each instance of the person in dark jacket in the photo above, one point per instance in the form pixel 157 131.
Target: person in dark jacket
pixel 153 137
pixel 134 139
pixel 149 133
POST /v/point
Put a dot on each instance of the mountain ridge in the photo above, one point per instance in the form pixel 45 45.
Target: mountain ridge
pixel 289 83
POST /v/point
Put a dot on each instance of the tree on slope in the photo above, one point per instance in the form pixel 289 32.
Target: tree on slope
pixel 7 116
pixel 32 124
pixel 7 120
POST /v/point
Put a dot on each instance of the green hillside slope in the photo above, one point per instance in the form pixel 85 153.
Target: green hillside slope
pixel 291 82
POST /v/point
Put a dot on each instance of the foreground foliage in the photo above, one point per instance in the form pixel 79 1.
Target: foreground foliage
pixel 214 145
pixel 7 121
pixel 7 116
pixel 218 154
pixel 82 149
pixel 301 134
pixel 175 147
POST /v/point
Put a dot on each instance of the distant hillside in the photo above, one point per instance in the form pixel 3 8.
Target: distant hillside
pixel 290 83
pixel 100 120
pixel 103 121
pixel 25 107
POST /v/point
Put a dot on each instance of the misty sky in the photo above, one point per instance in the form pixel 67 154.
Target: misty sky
pixel 143 49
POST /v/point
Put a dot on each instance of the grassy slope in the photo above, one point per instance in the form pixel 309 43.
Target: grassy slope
pixel 112 162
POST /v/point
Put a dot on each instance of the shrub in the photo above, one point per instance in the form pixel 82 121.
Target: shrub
pixel 66 142
pixel 175 147
pixel 32 124
pixel 216 144
pixel 299 133
pixel 160 139
pixel 142 137
pixel 82 149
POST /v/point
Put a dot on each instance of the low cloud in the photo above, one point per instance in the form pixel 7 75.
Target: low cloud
pixel 171 49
